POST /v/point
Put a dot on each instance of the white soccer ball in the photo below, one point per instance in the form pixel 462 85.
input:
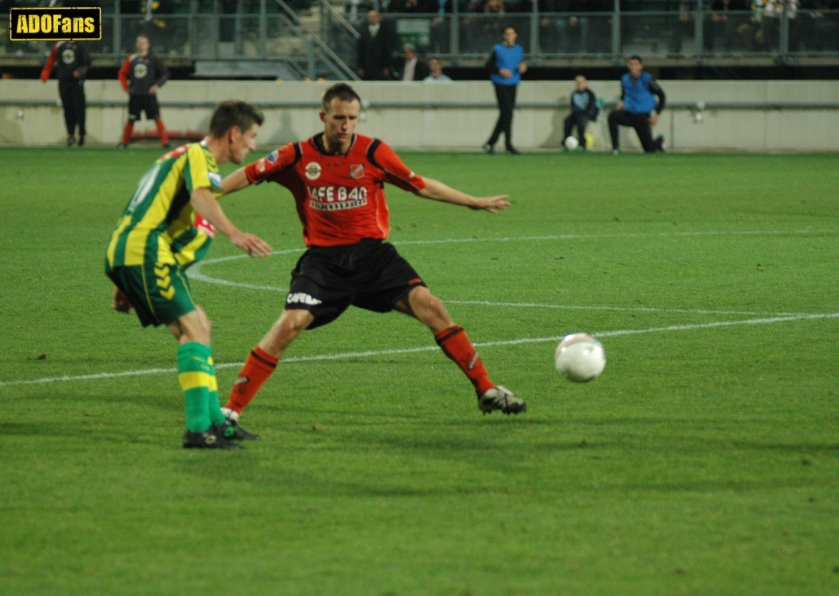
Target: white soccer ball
pixel 571 143
pixel 580 358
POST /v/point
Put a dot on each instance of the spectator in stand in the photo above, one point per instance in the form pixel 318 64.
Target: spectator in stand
pixel 436 68
pixel 141 75
pixel 411 67
pixel 721 23
pixel 805 32
pixel 584 108
pixel 413 6
pixel 685 27
pixel 571 26
pixel 505 66
pixel 637 107
pixel 374 52
pixel 71 61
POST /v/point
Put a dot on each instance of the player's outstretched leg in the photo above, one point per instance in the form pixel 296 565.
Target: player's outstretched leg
pixel 227 427
pixel 458 347
pixel 454 342
pixel 263 359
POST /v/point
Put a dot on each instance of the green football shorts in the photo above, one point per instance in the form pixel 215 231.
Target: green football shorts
pixel 159 293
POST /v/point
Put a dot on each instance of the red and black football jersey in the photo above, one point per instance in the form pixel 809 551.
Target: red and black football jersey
pixel 340 198
pixel 139 73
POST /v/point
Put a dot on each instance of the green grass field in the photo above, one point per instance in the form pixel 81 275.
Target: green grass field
pixel 705 460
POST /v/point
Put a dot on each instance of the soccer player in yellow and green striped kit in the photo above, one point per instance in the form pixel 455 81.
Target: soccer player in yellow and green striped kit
pixel 167 226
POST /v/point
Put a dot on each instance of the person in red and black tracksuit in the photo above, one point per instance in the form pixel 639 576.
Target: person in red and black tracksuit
pixel 141 75
pixel 71 61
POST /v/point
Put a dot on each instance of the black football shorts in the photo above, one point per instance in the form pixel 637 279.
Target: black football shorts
pixel 143 103
pixel 369 274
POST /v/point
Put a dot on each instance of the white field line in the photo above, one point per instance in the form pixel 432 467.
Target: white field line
pixel 488 344
pixel 196 271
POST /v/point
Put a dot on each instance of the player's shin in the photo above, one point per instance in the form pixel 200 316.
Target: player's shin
pixel 126 133
pixel 216 416
pixel 194 376
pixel 458 347
pixel 161 130
pixel 258 367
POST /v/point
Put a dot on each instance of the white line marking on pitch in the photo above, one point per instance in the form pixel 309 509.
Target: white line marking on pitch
pixel 488 344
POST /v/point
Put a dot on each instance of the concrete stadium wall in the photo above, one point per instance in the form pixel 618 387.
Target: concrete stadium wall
pixel 425 127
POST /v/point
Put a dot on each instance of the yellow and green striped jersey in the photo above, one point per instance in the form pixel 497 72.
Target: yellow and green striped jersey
pixel 159 224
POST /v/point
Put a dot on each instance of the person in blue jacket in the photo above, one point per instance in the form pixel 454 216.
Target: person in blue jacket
pixel 638 107
pixel 505 66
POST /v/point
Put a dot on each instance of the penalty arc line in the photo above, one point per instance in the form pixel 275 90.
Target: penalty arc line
pixel 488 344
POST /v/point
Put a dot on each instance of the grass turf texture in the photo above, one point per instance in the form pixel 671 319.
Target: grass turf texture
pixel 703 461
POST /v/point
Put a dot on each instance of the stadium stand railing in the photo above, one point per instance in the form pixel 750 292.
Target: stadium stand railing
pixel 309 39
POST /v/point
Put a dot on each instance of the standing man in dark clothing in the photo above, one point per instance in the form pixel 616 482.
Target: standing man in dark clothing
pixel 141 75
pixel 637 107
pixel 72 61
pixel 374 52
pixel 505 66
pixel 583 108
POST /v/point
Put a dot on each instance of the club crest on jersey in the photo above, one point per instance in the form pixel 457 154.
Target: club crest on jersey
pixel 140 70
pixel 357 171
pixel 272 157
pixel 68 56
pixel 313 171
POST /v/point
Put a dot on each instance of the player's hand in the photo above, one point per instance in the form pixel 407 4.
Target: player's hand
pixel 77 74
pixel 492 204
pixel 121 303
pixel 505 72
pixel 619 106
pixel 523 67
pixel 653 119
pixel 153 89
pixel 251 244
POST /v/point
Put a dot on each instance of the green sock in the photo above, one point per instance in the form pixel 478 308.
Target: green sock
pixel 194 375
pixel 213 405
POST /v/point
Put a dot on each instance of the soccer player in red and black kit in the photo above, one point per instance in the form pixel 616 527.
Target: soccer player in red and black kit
pixel 337 178
pixel 141 75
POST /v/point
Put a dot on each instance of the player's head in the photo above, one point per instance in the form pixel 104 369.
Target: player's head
pixel 339 114
pixel 374 18
pixel 236 123
pixel 143 44
pixel 635 65
pixel 510 34
pixel 581 82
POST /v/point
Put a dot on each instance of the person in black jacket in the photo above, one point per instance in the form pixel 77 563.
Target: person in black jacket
pixel 410 67
pixel 72 61
pixel 374 52
pixel 583 108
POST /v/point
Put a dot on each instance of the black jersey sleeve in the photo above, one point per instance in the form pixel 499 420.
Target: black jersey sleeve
pixel 656 90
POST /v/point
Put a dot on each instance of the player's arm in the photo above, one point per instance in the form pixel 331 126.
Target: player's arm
pixel 45 73
pixel 396 172
pixel 235 181
pixel 437 191
pixel 122 75
pixel 262 169
pixel 206 205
